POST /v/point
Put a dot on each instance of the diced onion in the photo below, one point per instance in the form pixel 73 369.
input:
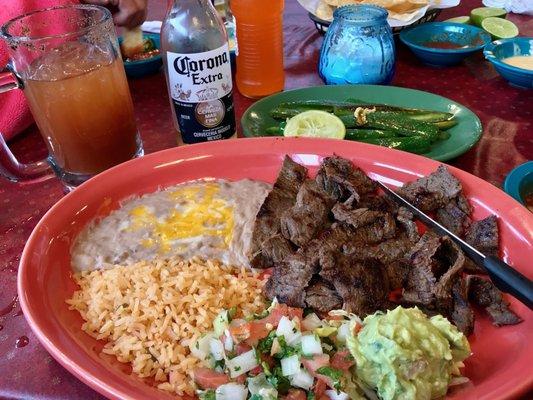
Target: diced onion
pixel 216 348
pixel 220 323
pixel 334 395
pixel 311 322
pixel 201 349
pixel 260 386
pixel 242 363
pixel 301 379
pixel 290 365
pixel 311 345
pixel 343 332
pixel 287 329
pixel 228 341
pixel 231 391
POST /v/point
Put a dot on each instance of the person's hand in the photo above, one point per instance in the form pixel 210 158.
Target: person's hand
pixel 128 13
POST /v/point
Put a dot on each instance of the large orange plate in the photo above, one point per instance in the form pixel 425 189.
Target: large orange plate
pixel 500 367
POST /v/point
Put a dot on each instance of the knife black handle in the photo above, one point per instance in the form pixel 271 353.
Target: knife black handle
pixel 509 280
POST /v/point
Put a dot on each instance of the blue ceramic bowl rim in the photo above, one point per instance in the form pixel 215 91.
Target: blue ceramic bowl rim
pixel 513 181
pixel 484 36
pixel 489 55
pixel 146 60
pixel 380 13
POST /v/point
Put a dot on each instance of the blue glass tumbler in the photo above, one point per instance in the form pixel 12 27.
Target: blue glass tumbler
pixel 358 47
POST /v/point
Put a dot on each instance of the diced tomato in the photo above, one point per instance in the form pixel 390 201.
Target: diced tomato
pixel 319 389
pixel 208 379
pixel 239 330
pixel 295 394
pixel 258 331
pixel 282 310
pixel 256 371
pixel 267 358
pixel 241 379
pixel 242 348
pixel 250 332
pixel 318 361
pixel 265 274
pixel 342 360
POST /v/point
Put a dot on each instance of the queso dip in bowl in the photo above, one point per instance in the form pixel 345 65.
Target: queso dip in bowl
pixel 513 59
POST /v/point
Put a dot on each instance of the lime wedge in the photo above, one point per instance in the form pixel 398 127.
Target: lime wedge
pixel 464 19
pixel 477 15
pixel 499 28
pixel 314 123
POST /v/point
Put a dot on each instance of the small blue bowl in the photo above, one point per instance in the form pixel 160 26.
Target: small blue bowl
pixel 419 37
pixel 519 182
pixel 149 66
pixel 500 49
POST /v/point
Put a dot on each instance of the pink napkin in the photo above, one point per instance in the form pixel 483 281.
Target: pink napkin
pixel 15 115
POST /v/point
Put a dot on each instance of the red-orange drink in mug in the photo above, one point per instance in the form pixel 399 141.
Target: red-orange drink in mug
pixel 74 81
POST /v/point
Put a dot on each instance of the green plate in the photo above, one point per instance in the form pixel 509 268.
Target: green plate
pixel 463 135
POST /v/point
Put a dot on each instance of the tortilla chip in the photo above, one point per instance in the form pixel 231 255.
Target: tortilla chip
pixel 324 11
pixel 132 42
pixel 402 10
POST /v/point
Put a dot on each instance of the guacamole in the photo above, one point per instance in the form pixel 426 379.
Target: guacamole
pixel 402 354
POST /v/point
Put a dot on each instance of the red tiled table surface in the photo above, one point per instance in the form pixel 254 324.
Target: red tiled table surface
pixel 506 113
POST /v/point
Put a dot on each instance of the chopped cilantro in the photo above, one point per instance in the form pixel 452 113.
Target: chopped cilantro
pixel 266 368
pixel 265 345
pixel 262 315
pixel 286 350
pixel 220 363
pixel 237 368
pixel 231 313
pixel 280 382
pixel 207 395
pixel 311 396
pixel 334 374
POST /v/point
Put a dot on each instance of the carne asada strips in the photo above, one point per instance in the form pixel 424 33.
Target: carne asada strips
pixel 462 314
pixel 362 285
pixel 276 248
pixel 343 180
pixel 455 216
pixel 370 226
pixel 421 281
pixel 308 215
pixel 405 219
pixel 322 297
pixel 433 191
pixel 267 222
pixel 390 253
pixel 377 202
pixel 484 236
pixel 435 263
pixel 483 293
pixel 290 278
pixel 451 260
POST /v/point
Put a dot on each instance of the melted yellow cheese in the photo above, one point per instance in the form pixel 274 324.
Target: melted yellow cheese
pixel 199 212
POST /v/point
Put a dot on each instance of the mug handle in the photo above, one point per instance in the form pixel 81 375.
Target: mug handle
pixel 10 167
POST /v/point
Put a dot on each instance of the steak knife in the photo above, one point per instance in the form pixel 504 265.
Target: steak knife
pixel 504 277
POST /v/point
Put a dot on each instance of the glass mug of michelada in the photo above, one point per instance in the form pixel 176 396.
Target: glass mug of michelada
pixel 67 61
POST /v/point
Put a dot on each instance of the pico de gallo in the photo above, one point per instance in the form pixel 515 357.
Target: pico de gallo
pixel 280 354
